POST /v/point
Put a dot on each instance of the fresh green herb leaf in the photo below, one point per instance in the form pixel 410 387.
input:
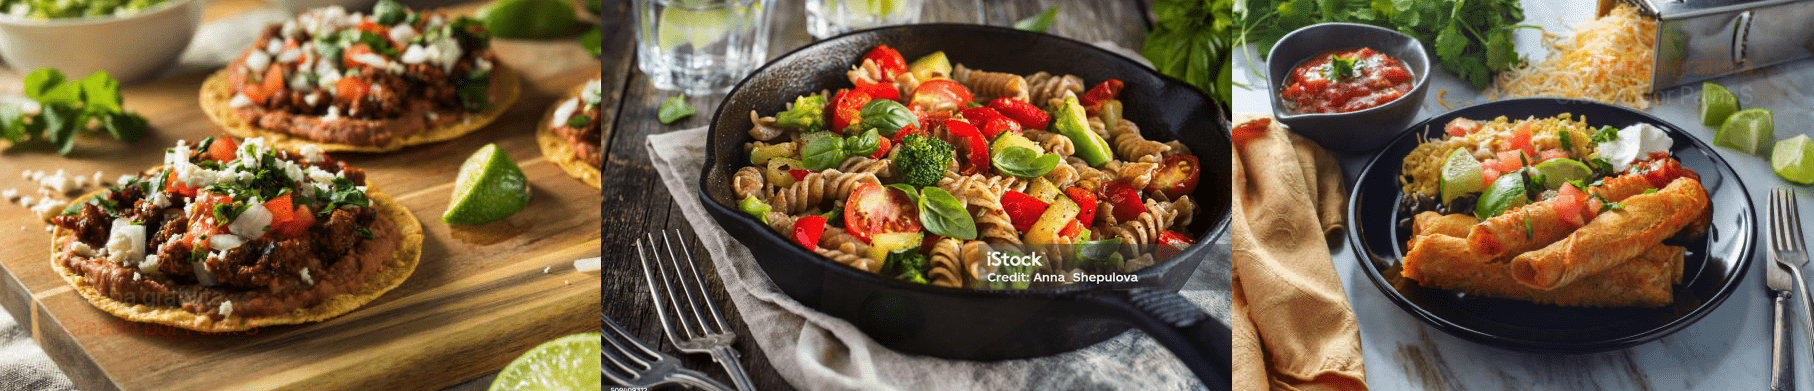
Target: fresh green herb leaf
pixel 1023 162
pixel 942 214
pixel 388 12
pixel 824 152
pixel 1564 138
pixel 593 41
pixel 1341 68
pixel 1038 23
pixel 861 145
pixel 40 82
pixel 364 232
pixel 475 91
pixel 887 116
pixel 578 120
pixel 101 93
pixel 674 109
pixel 1193 40
pixel 1605 134
pixel 913 193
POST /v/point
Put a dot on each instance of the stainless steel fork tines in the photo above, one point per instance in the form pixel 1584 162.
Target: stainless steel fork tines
pixel 630 362
pixel 1788 247
pixel 692 321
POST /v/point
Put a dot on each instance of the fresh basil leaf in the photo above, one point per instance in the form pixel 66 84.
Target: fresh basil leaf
pixel 1038 23
pixel 861 145
pixel 823 152
pixel 674 109
pixel 942 214
pixel 886 116
pixel 913 194
pixel 1023 162
pixel 101 93
pixel 40 82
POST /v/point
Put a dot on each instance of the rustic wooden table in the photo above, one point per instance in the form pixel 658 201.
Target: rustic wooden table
pixel 641 204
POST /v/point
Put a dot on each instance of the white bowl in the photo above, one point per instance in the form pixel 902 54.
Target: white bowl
pixel 130 48
pixel 297 6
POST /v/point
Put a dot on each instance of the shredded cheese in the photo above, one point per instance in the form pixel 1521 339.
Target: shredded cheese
pixel 1609 59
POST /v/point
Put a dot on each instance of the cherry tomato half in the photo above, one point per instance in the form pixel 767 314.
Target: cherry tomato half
pixel 1177 176
pixel 873 209
pixel 846 109
pixel 888 60
pixel 992 122
pixel 941 95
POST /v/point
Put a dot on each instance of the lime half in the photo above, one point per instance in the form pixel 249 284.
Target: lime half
pixel 697 27
pixel 567 363
pixel 1793 159
pixel 1559 171
pixel 1747 130
pixel 1717 103
pixel 528 18
pixel 1461 175
pixel 490 187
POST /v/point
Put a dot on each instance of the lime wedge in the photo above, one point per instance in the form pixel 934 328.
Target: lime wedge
pixel 1717 103
pixel 697 27
pixel 1505 193
pixel 566 363
pixel 1559 171
pixel 1461 175
pixel 1746 130
pixel 1793 159
pixel 877 8
pixel 528 18
pixel 490 187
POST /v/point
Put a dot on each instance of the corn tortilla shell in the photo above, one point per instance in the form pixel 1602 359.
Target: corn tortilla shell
pixel 217 92
pixel 556 150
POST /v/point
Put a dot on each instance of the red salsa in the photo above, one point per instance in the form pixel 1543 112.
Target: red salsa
pixel 1344 81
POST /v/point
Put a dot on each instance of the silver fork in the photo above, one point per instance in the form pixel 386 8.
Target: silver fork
pixel 1789 249
pixel 630 362
pixel 681 314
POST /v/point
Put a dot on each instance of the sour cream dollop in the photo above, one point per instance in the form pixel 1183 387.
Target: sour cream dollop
pixel 1634 142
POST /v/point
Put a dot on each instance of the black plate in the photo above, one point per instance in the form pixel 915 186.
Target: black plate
pixel 970 323
pixel 1713 269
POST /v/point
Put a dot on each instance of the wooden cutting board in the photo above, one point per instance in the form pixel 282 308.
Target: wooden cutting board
pixel 482 295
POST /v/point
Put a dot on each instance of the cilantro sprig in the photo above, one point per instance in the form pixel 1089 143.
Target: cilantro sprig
pixel 68 107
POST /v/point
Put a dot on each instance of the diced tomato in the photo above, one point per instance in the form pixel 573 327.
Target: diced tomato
pixel 347 57
pixel 905 130
pixel 1106 91
pixel 1490 174
pixel 222 149
pixel 375 28
pixel 178 186
pixel 1070 232
pixel 882 148
pixel 271 84
pixel 1177 176
pixel 1512 160
pixel 1461 127
pixel 1086 204
pixel 993 123
pixel 888 60
pixel 1026 114
pixel 1521 140
pixel 1022 209
pixel 1171 243
pixel 1662 169
pixel 350 89
pixel 1124 199
pixel 282 215
pixel 847 108
pixel 877 90
pixel 941 93
pixel 1250 130
pixel 873 209
pixel 1550 154
pixel 1570 203
pixel 807 230
pixel 799 175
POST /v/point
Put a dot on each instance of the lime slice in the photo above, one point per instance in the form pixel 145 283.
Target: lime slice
pixel 879 9
pixel 566 363
pixel 1717 103
pixel 1461 175
pixel 1559 171
pixel 1746 130
pixel 1793 159
pixel 1505 193
pixel 696 27
pixel 490 187
pixel 528 18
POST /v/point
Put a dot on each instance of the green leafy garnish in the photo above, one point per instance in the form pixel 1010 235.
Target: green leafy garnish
pixel 1605 134
pixel 674 109
pixel 578 120
pixel 1023 162
pixel 66 108
pixel 1343 68
pixel 1038 23
pixel 1192 40
pixel 942 214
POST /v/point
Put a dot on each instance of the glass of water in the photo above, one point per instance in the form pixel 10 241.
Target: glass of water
pixel 827 18
pixel 700 47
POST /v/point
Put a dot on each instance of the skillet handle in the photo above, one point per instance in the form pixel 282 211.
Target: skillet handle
pixel 1201 341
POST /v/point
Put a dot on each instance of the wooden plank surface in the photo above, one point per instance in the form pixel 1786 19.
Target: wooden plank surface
pixel 640 204
pixel 478 299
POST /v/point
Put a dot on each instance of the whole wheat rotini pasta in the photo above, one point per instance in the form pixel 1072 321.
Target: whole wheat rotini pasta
pixel 1043 88
pixel 947 268
pixel 1128 142
pixel 990 85
pixel 816 188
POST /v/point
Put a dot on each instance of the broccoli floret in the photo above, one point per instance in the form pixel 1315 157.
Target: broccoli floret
pixel 908 264
pixel 808 114
pixel 922 161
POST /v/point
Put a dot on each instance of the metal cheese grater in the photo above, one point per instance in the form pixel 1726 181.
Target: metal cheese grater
pixel 1704 39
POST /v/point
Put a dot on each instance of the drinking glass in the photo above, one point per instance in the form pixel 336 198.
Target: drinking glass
pixel 700 47
pixel 827 18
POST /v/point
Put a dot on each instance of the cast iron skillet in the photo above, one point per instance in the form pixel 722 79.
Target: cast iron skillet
pixel 1712 268
pixel 988 324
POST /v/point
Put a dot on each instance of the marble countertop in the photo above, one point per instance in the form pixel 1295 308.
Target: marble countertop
pixel 1729 349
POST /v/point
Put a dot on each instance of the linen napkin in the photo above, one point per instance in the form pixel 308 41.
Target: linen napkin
pixel 816 351
pixel 1293 328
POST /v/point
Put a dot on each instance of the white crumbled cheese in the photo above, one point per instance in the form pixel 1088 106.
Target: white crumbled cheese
pixel 306 278
pixel 60 182
pixel 47 208
pixel 226 308
pixel 79 248
pixel 545 269
pixel 290 28
pixel 587 264
pixel 432 115
pixel 149 266
pixel 274 45
pixel 291 170
pixel 372 59
pixel 324 66
pixel 25 174
pixel 135 276
pixel 125 178
pixel 251 223
pixel 25 201
pixel 593 93
pixel 319 175
pixel 312 153
pixel 50 228
pixel 289 55
pixel 80 181
pixel 403 33
pixel 126 243
pixel 436 21
pixel 239 101
pixel 1634 143
pixel 10 194
pixel 563 113
pixel 158 199
pixel 311 99
pixel 224 242
pixel 333 114
pixel 256 61
pixel 444 51
pixel 36 175
pixel 248 154
pixel 300 82
pixel 97 179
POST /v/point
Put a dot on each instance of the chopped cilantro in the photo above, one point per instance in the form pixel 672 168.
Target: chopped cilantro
pixel 365 232
pixel 1606 133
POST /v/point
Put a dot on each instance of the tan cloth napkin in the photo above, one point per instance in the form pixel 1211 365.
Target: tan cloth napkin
pixel 1293 328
